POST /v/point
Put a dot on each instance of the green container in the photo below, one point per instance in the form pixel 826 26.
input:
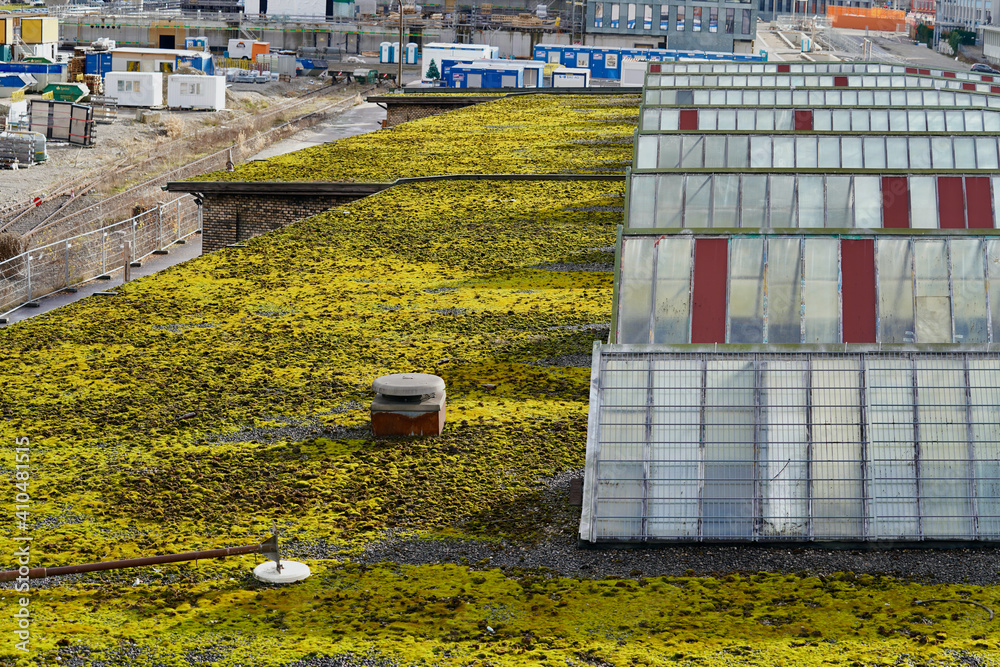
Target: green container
pixel 67 92
pixel 5 55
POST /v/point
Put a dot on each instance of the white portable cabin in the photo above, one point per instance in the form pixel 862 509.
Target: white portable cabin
pixel 193 91
pixel 570 77
pixel 633 72
pixel 298 10
pixel 150 60
pixel 135 89
pixel 438 51
pixel 533 70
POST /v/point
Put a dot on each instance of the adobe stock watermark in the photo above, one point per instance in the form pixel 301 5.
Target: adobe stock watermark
pixel 22 554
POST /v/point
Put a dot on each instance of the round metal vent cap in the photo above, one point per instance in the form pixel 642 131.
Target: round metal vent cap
pixel 408 384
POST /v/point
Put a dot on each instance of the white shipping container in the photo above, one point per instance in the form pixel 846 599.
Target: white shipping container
pixel 135 89
pixel 633 72
pixel 193 91
pixel 296 9
pixel 570 77
pixel 438 51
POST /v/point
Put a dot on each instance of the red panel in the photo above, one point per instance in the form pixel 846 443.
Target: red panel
pixel 655 67
pixel 708 308
pixel 986 77
pixel 857 266
pixel 911 70
pixel 949 75
pixel 784 68
pixel 895 202
pixel 689 119
pixel 840 81
pixel 925 72
pixel 979 202
pixel 804 120
pixel 951 202
pixel 968 86
pixel 995 89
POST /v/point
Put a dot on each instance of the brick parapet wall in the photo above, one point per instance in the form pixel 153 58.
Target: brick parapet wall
pixel 231 218
pixel 401 113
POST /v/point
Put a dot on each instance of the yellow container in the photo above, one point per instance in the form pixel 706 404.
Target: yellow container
pixel 40 29
pixel 7 30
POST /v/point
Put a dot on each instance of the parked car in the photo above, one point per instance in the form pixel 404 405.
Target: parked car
pixel 984 68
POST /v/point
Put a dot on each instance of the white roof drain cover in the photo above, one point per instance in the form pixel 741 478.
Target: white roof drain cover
pixel 408 384
pixel 291 571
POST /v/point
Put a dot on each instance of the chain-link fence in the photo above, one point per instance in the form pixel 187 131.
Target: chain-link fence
pixel 55 266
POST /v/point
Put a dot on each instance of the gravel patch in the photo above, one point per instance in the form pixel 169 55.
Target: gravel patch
pixel 565 360
pixel 590 267
pixel 295 429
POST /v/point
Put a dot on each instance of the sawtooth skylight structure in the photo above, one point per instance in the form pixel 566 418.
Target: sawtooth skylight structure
pixel 806 305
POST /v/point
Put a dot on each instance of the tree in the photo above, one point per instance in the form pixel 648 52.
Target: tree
pixel 432 71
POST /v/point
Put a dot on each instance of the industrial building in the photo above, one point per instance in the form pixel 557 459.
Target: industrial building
pixel 727 26
pixel 805 317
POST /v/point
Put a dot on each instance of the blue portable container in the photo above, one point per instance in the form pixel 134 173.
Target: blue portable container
pixel 98 63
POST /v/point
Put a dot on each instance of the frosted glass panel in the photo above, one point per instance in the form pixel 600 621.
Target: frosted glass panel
pixel 969 291
pixel 984 397
pixel 839 202
pixel 782 198
pixel 931 298
pixel 672 296
pixel 784 282
pixel 746 290
pixel 895 291
pixel 635 291
pixel 697 201
pixel 784 471
pixel 641 202
pixel 669 200
pixel 646 152
pixel 812 201
pixel 753 207
pixel 821 291
pixel 923 202
pixel 726 200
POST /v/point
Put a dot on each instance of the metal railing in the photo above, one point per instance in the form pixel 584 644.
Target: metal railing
pixel 46 269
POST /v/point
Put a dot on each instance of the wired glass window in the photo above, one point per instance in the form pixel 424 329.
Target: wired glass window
pixel 679 26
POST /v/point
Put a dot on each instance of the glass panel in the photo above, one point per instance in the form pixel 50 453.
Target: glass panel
pixel 672 505
pixel 896 151
pixel 806 156
pixel 746 290
pixel 836 449
pixel 715 150
pixel 829 152
pixel 935 120
pixel 784 450
pixel 986 152
pixel 640 202
pixel 822 120
pixel 765 120
pixel 974 121
pixel 753 207
pixel 784 120
pixel 895 290
pixel 850 153
pixel 867 202
pixel 739 150
pixel 726 200
pixel 646 152
pixel 746 120
pixel 760 152
pixel 728 496
pixel 892 473
pixel 920 152
pixel 860 120
pixel 623 437
pixel 784 152
pixel 727 119
pixel 784 298
pixel 839 202
pixel 673 290
pixel 812 204
pixel 954 120
pixel 991 121
pixel 932 301
pixel 670 152
pixel 946 507
pixel 923 202
pixel 782 200
pixel 879 120
pixel 965 152
pixel 708 119
pixel 969 291
pixel 821 294
pixel 669 118
pixel 874 152
pixel 698 201
pixel 669 200
pixel 984 399
pixel 635 294
pixel 692 148
pixel 918 120
pixel 993 265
